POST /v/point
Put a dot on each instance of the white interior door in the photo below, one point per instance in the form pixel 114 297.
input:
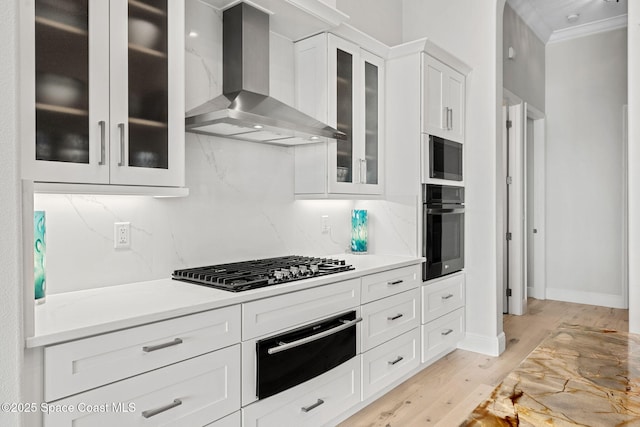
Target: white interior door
pixel 516 178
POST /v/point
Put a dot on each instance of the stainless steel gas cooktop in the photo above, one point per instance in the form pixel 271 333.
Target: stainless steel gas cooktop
pixel 242 276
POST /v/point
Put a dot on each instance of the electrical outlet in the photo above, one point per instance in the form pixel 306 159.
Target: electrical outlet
pixel 121 235
pixel 326 228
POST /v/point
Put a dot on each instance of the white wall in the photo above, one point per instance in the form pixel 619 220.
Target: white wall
pixel 381 19
pixel 10 217
pixel 634 160
pixel 472 31
pixel 241 203
pixel 524 75
pixel 586 88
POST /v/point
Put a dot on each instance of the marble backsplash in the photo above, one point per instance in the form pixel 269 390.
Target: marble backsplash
pixel 241 203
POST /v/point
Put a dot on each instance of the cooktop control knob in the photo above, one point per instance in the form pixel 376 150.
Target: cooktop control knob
pixel 314 268
pixel 278 275
pixel 294 270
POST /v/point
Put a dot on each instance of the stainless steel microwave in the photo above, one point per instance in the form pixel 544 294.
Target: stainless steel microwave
pixel 445 159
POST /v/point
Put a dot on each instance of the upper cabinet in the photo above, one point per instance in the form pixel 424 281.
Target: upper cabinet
pixel 103 94
pixel 444 100
pixel 341 84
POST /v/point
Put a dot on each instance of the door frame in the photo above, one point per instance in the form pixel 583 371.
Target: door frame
pixel 517 303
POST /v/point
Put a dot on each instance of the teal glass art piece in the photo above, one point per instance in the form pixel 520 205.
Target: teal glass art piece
pixel 359 231
pixel 39 255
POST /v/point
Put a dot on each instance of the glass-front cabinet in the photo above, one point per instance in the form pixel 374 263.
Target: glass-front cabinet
pixel 103 95
pixel 354 103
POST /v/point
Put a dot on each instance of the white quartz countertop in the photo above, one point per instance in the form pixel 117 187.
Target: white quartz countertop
pixel 74 315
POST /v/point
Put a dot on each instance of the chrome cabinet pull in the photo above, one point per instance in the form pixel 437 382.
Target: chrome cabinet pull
pixel 152 412
pixel 102 125
pixel 398 359
pixel 286 346
pixel 447 332
pixel 395 282
pixel 121 128
pixel 150 348
pixel 447 296
pixel 450 119
pixel 312 407
pixel 397 316
pixel 363 171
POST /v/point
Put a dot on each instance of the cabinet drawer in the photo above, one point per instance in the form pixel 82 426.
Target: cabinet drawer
pixel 380 285
pixel 88 363
pixel 271 315
pixel 442 297
pixel 313 403
pixel 389 317
pixel 442 335
pixel 385 364
pixel 190 393
pixel 233 420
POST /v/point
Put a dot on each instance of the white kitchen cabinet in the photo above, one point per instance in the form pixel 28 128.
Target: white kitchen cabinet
pixel 389 317
pixel 390 282
pixel 341 84
pixel 80 365
pixel 312 403
pixel 441 336
pixel 442 296
pixel 388 362
pixel 444 100
pixel 443 318
pixel 103 91
pixel 194 392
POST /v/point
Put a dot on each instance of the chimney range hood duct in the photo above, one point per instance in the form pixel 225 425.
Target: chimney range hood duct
pixel 245 110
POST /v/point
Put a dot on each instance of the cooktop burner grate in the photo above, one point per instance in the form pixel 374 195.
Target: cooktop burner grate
pixel 242 276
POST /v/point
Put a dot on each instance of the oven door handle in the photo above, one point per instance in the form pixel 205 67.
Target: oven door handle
pixel 286 346
pixel 445 211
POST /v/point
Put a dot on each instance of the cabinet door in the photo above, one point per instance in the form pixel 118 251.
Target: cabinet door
pixel 66 53
pixel 344 80
pixel 147 105
pixel 434 103
pixel 455 83
pixel 372 118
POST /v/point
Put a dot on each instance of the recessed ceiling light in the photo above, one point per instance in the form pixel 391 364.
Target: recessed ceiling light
pixel 193 34
pixel 573 17
pixel 314 138
pixel 257 126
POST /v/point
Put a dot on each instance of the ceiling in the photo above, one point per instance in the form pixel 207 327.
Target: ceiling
pixel 548 18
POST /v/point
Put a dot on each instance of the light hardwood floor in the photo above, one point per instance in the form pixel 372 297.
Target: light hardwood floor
pixel 444 393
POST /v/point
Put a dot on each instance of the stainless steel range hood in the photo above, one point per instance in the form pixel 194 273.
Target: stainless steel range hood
pixel 245 110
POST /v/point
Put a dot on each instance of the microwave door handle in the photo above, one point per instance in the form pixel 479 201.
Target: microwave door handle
pixel 441 211
pixel 286 346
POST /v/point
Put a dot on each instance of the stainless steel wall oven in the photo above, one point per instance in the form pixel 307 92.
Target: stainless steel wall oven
pixel 442 230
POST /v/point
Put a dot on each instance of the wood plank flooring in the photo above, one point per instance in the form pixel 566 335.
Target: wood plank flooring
pixel 444 393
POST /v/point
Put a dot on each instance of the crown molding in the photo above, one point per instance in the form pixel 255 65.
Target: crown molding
pixel 531 17
pixel 620 21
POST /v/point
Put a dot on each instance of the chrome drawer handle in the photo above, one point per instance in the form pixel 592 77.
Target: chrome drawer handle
pixel 395 282
pixel 152 412
pixel 398 359
pixel 447 296
pixel 397 316
pixel 447 332
pixel 286 346
pixel 150 348
pixel 312 407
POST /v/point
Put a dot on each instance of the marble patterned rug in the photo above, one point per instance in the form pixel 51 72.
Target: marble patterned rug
pixel 577 376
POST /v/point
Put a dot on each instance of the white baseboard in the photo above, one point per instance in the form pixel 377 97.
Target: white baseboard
pixel 491 346
pixel 583 297
pixel 534 293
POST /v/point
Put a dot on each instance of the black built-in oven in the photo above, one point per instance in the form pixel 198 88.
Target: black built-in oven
pixel 443 230
pixel 293 357
pixel 445 159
